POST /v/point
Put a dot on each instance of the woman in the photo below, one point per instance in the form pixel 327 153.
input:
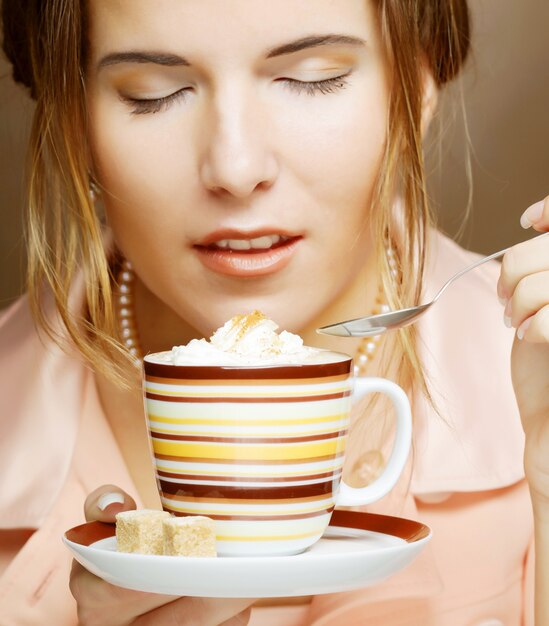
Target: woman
pixel 259 155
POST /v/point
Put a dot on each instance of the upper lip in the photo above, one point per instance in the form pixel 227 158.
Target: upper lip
pixel 230 233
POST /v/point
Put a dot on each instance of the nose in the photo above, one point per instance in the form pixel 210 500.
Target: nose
pixel 238 158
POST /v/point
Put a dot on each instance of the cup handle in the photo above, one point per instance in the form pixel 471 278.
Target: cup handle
pixel 352 496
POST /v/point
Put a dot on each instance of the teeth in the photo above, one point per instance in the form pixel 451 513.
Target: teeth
pixel 265 242
pixel 259 243
pixel 239 244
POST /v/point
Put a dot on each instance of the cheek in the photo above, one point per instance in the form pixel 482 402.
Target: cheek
pixel 144 178
pixel 340 149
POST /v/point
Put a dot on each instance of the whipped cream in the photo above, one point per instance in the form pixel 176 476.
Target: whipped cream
pixel 246 340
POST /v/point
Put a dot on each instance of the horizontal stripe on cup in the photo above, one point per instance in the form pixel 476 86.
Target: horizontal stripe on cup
pixel 263 483
pixel 268 538
pixel 237 372
pixel 249 390
pixel 248 479
pixel 245 435
pixel 284 470
pixel 243 382
pixel 251 517
pixel 249 410
pixel 257 453
pixel 296 497
pixel 237 399
pixel 229 493
pixel 307 524
pixel 249 440
pixel 266 392
pixel 240 421
pixel 235 463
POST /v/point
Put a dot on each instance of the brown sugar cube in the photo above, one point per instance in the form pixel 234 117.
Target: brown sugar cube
pixel 140 531
pixel 189 536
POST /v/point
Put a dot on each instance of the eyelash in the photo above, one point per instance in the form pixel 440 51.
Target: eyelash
pixel 312 88
pixel 154 105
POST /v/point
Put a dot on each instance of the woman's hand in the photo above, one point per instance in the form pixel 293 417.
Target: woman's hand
pixel 524 287
pixel 101 604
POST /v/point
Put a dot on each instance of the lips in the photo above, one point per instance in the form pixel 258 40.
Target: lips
pixel 235 253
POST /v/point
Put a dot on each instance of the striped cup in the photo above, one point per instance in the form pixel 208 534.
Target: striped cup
pixel 259 449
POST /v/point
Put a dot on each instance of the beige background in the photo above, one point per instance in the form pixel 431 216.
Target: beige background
pixel 506 91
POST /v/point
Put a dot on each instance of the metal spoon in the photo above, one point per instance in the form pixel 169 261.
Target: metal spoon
pixel 377 324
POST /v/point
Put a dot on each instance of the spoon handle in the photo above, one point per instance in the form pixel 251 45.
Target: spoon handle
pixel 485 259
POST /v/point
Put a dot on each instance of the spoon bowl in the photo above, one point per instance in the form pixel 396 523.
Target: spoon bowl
pixel 382 322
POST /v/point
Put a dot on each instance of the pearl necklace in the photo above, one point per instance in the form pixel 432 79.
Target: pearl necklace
pixel 126 316
pixel 128 330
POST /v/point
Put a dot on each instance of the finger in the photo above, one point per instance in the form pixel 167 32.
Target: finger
pixel 102 604
pixel 528 257
pixel 199 612
pixel 105 502
pixel 536 216
pixel 535 329
pixel 530 295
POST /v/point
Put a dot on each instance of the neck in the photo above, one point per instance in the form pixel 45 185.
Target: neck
pixel 159 328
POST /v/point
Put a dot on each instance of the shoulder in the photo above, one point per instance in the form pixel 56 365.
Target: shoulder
pixel 41 390
pixel 446 257
pixel 469 310
pixel 465 348
pixel 18 335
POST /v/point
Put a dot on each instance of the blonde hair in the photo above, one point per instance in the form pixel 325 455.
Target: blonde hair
pixel 46 43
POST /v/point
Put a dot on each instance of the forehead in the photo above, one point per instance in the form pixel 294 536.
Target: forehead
pixel 248 26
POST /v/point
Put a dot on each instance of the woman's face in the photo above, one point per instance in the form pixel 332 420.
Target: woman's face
pixel 238 144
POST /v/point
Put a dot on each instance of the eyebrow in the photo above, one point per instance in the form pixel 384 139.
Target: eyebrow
pixel 174 60
pixel 158 58
pixel 314 41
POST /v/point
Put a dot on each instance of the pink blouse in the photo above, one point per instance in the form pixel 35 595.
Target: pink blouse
pixel 466 480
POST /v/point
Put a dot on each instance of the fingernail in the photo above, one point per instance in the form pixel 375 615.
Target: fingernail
pixel 532 214
pixel 521 331
pixel 109 498
pixel 507 315
pixel 503 301
pixel 502 296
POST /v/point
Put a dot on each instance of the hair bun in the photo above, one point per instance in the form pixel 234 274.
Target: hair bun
pixel 17 16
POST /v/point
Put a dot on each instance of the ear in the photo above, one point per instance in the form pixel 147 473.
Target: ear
pixel 430 98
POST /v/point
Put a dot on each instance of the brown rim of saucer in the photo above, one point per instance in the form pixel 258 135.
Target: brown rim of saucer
pixel 409 530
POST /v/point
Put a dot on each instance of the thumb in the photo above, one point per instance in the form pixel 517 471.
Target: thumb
pixel 105 502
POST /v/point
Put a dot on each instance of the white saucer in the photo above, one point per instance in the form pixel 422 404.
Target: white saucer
pixel 357 550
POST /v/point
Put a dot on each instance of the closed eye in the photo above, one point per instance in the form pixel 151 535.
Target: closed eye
pixel 311 88
pixel 142 106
